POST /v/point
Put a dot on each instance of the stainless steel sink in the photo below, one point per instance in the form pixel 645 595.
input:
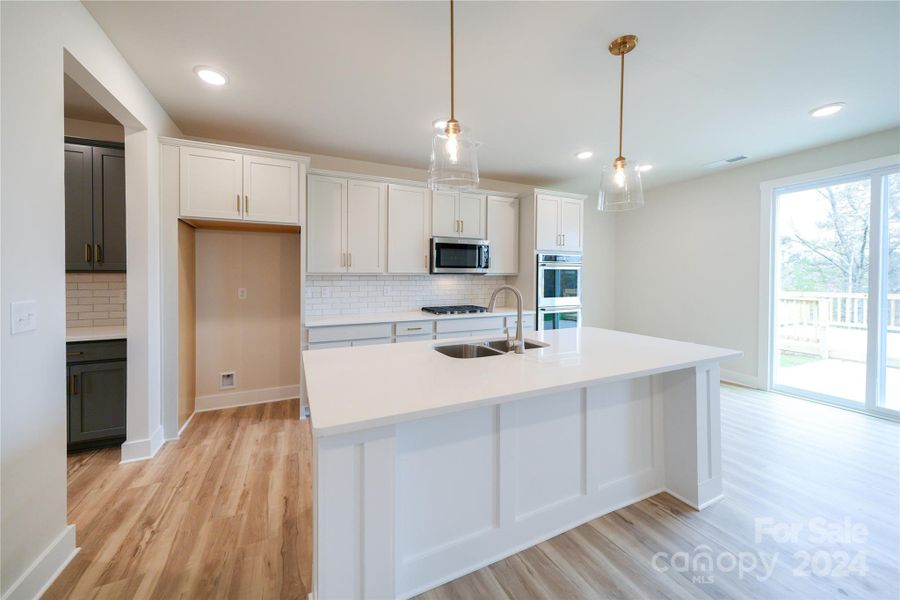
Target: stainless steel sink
pixel 502 345
pixel 468 350
pixel 481 349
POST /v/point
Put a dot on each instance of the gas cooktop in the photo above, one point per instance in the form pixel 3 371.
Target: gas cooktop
pixel 454 310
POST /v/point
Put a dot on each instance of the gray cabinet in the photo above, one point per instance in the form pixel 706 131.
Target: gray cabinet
pixel 95 208
pixel 96 394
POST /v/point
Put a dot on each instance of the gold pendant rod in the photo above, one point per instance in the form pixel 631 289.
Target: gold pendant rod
pixel 621 102
pixel 452 111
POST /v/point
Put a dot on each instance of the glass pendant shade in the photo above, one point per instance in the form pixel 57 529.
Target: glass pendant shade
pixel 620 187
pixel 454 161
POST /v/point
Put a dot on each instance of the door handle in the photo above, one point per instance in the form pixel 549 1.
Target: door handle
pixel 343 259
pixel 87 253
pixel 564 239
pixel 462 226
pixel 98 253
pixel 239 203
pixel 246 205
pixel 426 262
pixel 349 259
pixel 73 385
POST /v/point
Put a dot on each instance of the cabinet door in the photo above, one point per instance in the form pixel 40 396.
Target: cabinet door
pixel 79 211
pixel 472 214
pixel 96 401
pixel 571 213
pixel 366 226
pixel 326 207
pixel 445 214
pixel 271 190
pixel 503 234
pixel 408 227
pixel 109 209
pixel 547 223
pixel 210 185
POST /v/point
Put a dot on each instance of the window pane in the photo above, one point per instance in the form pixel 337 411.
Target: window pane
pixel 821 291
pixel 892 309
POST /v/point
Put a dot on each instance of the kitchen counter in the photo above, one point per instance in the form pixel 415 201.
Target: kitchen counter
pixel 363 387
pixel 428 467
pixel 93 334
pixel 400 316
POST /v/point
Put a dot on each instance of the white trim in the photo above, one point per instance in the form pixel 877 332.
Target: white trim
pixel 183 427
pixel 398 181
pixel 556 193
pixel 170 141
pixel 245 398
pixel 743 379
pixel 861 168
pixel 136 450
pixel 41 574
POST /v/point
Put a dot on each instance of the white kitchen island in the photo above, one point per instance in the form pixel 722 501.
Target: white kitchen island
pixel 428 467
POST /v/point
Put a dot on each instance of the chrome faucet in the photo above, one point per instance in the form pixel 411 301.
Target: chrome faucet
pixel 519 344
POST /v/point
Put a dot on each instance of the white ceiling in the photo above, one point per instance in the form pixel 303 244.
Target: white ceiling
pixel 534 80
pixel 78 104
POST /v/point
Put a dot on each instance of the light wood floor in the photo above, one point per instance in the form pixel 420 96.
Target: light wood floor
pixel 225 512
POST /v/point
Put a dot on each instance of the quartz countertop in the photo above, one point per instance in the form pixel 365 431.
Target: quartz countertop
pixel 400 316
pixel 92 334
pixel 357 388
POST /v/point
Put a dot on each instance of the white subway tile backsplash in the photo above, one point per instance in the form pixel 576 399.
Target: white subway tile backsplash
pixel 94 299
pixel 354 294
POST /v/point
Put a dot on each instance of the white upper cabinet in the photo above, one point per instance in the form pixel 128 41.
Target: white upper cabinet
pixel 503 234
pixel 558 223
pixel 472 216
pixel 217 182
pixel 366 226
pixel 346 225
pixel 571 226
pixel 459 215
pixel 325 218
pixel 409 229
pixel 445 214
pixel 271 190
pixel 211 183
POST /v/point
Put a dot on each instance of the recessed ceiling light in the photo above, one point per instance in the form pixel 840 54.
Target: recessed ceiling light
pixel 584 155
pixel 210 75
pixel 644 168
pixel 827 110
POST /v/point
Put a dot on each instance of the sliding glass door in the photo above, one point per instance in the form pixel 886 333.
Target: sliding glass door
pixel 835 290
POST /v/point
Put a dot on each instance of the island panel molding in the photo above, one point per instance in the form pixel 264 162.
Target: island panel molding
pixel 412 496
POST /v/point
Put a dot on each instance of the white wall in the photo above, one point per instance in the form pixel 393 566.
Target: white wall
pixel 35 40
pixel 687 264
pixel 598 288
pixel 92 130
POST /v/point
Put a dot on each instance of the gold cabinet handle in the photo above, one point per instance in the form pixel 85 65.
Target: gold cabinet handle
pixel 349 259
pixel 73 385
pixel 246 205
pixel 74 353
pixel 98 253
pixel 426 262
pixel 462 226
pixel 87 253
pixel 238 206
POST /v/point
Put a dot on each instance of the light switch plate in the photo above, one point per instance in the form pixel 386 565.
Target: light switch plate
pixel 22 316
pixel 242 293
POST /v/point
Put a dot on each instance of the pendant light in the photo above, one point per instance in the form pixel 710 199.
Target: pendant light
pixel 620 184
pixel 454 159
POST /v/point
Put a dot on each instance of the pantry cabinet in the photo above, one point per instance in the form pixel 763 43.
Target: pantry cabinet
pixel 558 223
pixel 95 207
pixel 456 214
pixel 409 229
pixel 218 182
pixel 346 225
pixel 503 234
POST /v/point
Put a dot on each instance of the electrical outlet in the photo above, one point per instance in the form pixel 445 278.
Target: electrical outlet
pixel 226 380
pixel 242 293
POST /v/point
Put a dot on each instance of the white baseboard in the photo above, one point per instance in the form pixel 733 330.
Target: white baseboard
pixel 231 399
pixel 730 376
pixel 45 569
pixel 186 423
pixel 144 449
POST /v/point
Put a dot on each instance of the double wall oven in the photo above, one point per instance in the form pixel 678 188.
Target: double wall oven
pixel 558 291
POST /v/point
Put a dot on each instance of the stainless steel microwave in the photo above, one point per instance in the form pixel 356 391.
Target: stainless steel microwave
pixel 456 255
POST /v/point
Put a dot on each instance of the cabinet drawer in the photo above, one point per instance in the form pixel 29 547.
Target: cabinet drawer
pixel 413 338
pixel 466 325
pixel 349 332
pixel 371 342
pixel 415 327
pixel 80 352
